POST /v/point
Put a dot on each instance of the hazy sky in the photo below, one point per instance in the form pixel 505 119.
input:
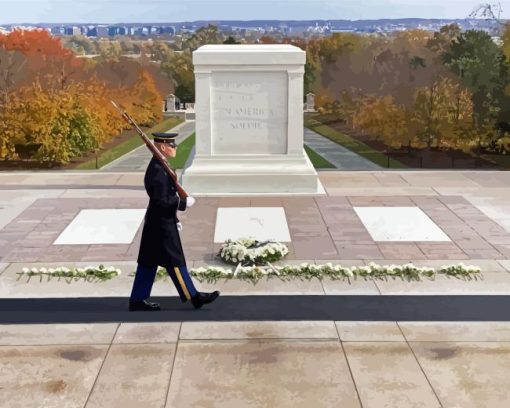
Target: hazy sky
pixel 116 11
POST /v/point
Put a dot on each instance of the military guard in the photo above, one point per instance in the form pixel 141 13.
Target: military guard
pixel 161 244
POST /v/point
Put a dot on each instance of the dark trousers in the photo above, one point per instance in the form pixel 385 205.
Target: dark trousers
pixel 144 279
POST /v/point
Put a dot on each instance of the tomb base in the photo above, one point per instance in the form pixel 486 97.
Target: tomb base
pixel 251 175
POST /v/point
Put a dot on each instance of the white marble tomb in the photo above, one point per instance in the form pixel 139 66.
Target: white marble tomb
pixel 249 123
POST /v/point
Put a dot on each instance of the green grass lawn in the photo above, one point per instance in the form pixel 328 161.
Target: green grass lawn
pixel 110 155
pixel 183 152
pixel 354 145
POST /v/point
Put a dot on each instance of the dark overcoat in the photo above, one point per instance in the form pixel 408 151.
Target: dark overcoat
pixel 161 244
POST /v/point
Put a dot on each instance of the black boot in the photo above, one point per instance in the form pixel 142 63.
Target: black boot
pixel 203 298
pixel 143 305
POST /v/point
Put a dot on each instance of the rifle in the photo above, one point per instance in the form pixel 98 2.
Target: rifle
pixel 157 154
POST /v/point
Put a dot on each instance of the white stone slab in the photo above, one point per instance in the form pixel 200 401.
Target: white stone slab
pixel 262 223
pixel 399 224
pixel 104 226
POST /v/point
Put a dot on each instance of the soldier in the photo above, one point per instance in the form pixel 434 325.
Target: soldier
pixel 161 244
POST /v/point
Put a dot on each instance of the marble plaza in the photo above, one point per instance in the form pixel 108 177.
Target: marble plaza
pixel 429 218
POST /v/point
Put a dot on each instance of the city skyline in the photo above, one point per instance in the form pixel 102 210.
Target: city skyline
pixel 161 11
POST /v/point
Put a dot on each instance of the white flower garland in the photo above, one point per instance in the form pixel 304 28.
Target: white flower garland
pixel 309 271
pixel 303 271
pixel 251 251
pixel 100 272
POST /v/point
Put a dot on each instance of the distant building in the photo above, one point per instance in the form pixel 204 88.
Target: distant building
pixel 72 30
pixel 115 30
pixel 102 31
pixel 167 30
pixel 137 30
pixel 57 30
pixel 497 40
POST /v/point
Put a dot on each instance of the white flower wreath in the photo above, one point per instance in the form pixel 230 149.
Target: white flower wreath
pixel 250 251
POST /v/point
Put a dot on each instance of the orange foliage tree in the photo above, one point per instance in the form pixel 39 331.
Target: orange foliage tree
pixel 56 108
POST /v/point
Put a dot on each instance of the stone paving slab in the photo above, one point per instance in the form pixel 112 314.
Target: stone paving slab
pixel 467 374
pixel 147 333
pixel 262 330
pixel 404 385
pixel 48 376
pixel 266 374
pixel 369 331
pixel 54 334
pixel 456 331
pixel 138 376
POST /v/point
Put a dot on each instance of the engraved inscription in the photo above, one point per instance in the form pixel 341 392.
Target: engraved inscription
pixel 249 112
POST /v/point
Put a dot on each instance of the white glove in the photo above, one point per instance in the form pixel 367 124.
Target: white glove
pixel 190 201
pixel 179 226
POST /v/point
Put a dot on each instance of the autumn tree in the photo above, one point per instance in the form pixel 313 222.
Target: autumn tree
pixel 382 119
pixel 146 99
pixel 54 127
pixel 13 67
pixel 442 113
pixel 47 60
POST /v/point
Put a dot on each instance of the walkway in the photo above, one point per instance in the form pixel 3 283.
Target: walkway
pixel 339 156
pixel 138 159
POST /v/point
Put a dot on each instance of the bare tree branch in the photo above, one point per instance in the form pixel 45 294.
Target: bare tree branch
pixel 489 11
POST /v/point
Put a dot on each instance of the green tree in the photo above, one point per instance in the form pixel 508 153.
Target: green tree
pixel 482 67
pixel 203 36
pixel 312 67
pixel 80 44
pixel 109 50
pixel 230 40
pixel 178 67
